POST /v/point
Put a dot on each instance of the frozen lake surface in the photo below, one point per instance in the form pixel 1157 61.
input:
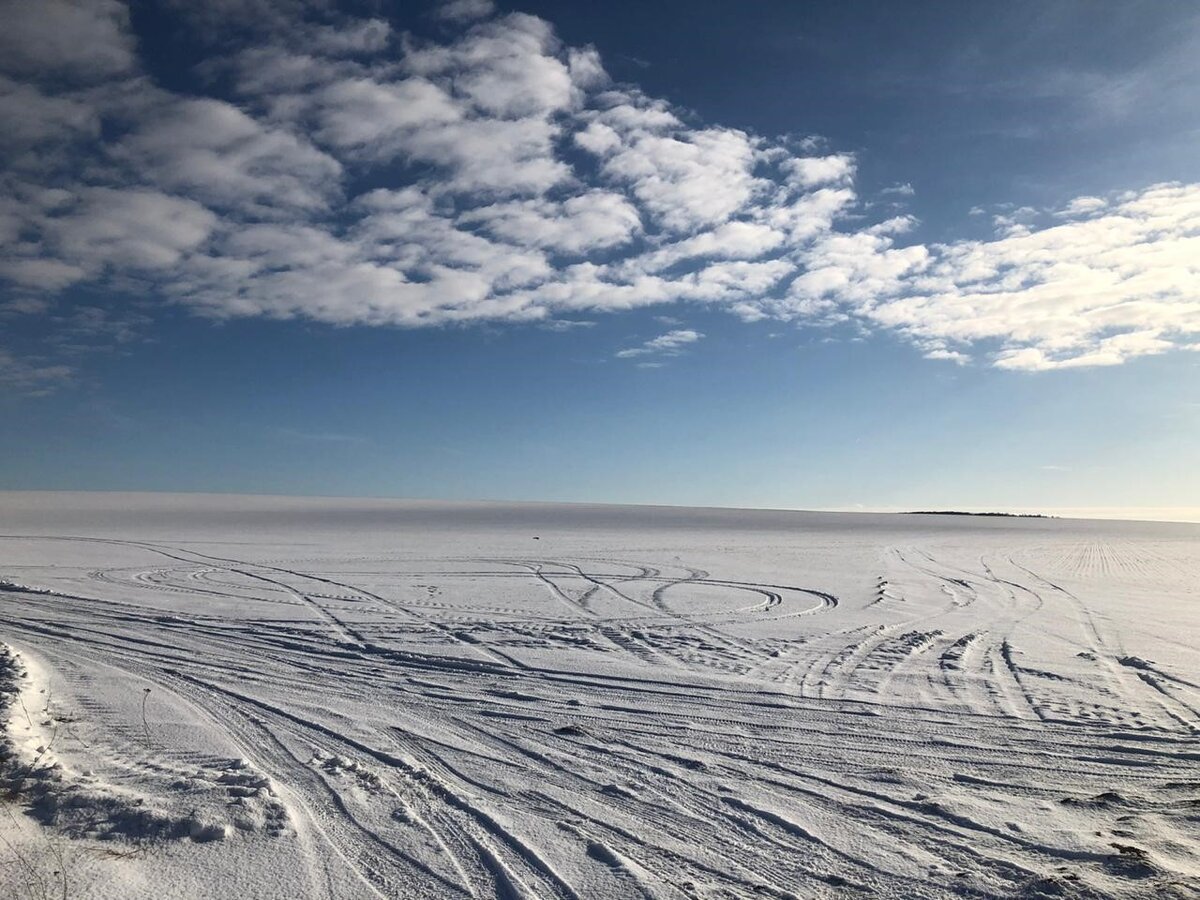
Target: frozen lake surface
pixel 266 697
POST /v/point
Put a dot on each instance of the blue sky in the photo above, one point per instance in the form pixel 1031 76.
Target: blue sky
pixel 787 254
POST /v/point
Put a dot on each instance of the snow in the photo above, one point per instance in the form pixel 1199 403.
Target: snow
pixel 269 697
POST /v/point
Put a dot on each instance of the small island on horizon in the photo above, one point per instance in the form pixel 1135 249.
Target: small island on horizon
pixel 955 512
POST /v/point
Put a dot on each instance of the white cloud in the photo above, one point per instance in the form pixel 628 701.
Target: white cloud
pixel 1082 206
pixel 376 120
pixel 598 138
pixel 33 119
pixel 483 110
pixel 687 179
pixel 493 157
pixel 1083 290
pixel 81 39
pixel 363 37
pixel 669 344
pixel 138 229
pixel 39 272
pixel 856 268
pixel 217 154
pixel 954 356
pixel 810 171
pixel 809 215
pixel 464 10
pixel 587 71
pixel 738 280
pixel 594 220
pixel 98 229
pixel 1110 351
pixel 281 79
pixel 732 240
pixel 510 68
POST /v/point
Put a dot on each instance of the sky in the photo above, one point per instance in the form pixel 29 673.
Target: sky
pixel 772 254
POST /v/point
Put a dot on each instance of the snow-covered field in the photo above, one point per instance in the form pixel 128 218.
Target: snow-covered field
pixel 253 697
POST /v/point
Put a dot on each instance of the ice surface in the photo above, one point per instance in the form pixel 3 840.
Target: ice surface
pixel 264 697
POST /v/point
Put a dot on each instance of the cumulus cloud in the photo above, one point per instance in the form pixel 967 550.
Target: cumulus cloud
pixel 98 229
pixel 1081 206
pixel 590 221
pixel 355 176
pixel 685 178
pixel 34 120
pixel 211 151
pixel 487 212
pixel 809 171
pixel 81 39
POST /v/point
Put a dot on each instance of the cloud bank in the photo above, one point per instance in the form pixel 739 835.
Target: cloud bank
pixel 353 175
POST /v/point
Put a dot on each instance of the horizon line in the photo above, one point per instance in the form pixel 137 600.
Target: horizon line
pixel 1186 515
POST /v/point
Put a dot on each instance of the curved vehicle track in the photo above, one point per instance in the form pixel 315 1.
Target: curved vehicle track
pixel 577 725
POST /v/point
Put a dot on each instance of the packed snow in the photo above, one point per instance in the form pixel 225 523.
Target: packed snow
pixel 267 697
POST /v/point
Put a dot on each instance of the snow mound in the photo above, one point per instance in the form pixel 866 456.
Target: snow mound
pixel 79 805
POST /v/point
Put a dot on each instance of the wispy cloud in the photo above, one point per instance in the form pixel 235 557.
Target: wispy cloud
pixel 669 344
pixel 46 342
pixel 31 377
pixel 566 324
pixel 464 10
pixel 320 437
pixel 511 180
